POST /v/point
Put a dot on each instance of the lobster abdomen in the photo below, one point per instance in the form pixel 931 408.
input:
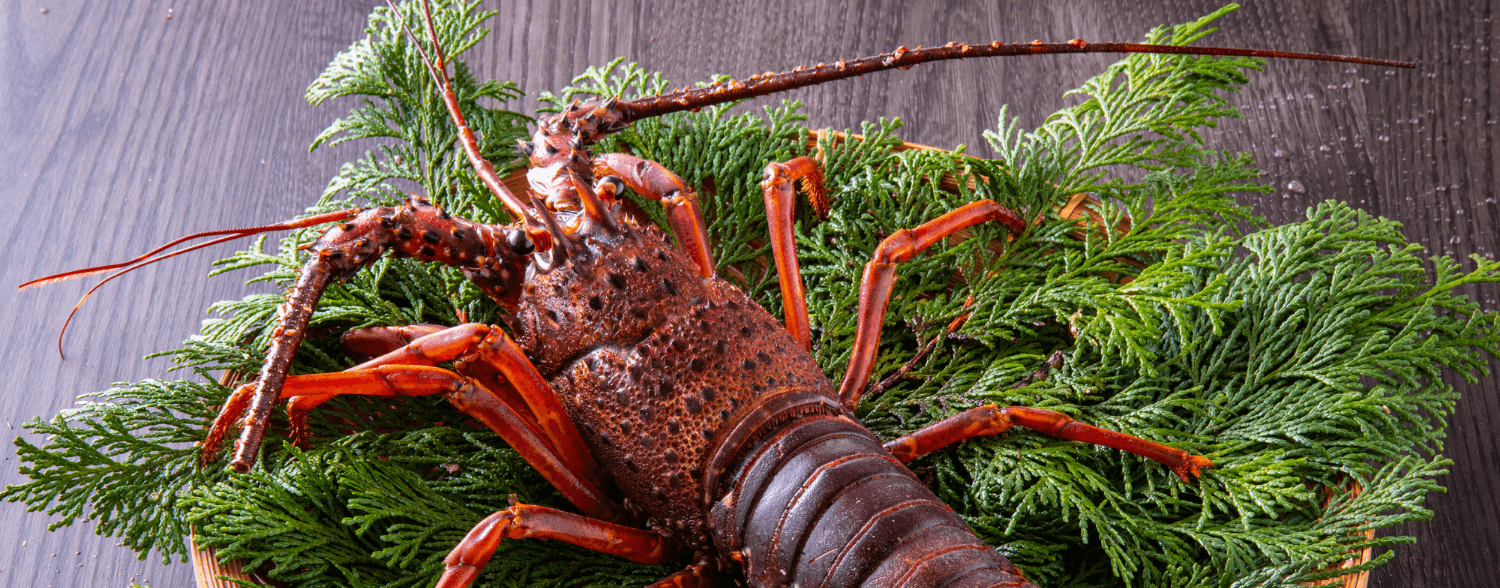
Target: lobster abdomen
pixel 819 503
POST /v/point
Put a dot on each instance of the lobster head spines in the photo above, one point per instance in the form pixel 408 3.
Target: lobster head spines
pixel 611 290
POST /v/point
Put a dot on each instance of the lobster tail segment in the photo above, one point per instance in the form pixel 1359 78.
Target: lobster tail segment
pixel 819 503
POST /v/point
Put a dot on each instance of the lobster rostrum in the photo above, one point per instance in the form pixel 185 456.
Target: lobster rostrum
pixel 627 363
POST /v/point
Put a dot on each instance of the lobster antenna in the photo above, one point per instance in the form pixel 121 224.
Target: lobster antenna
pixel 903 58
pixel 439 70
pixel 152 256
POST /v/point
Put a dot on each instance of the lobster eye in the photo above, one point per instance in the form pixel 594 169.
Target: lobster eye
pixel 519 242
pixel 613 181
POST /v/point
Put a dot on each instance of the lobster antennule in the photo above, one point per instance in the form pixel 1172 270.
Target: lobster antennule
pixel 156 255
pixel 903 58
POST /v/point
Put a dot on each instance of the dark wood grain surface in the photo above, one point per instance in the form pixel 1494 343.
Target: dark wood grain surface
pixel 123 127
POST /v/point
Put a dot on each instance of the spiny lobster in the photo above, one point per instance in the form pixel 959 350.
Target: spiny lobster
pixel 628 362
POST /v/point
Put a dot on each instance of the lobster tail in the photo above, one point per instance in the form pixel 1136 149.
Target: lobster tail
pixel 819 503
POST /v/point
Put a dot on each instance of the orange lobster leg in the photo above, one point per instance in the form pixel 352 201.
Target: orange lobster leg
pixel 467 395
pixel 371 342
pixel 781 206
pixel 880 277
pixel 523 520
pixel 992 420
pixel 651 180
pixel 698 575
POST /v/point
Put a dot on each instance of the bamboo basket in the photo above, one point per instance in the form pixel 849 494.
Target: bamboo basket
pixel 209 572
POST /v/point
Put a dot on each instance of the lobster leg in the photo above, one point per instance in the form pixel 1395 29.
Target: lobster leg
pixel 781 205
pixel 371 342
pixel 993 420
pixel 653 181
pixel 880 276
pixel 704 574
pixel 523 520
pixel 562 470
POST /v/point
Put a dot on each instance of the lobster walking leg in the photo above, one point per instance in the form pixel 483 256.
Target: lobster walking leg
pixel 653 181
pixel 371 342
pixel 880 276
pixel 523 520
pixel 781 204
pixel 563 471
pixel 699 575
pixel 993 420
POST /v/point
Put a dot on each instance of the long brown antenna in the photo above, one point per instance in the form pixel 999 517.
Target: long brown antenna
pixel 902 58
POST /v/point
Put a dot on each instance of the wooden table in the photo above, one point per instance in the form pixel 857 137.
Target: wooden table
pixel 129 122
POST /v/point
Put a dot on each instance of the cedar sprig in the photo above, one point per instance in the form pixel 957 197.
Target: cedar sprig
pixel 1166 333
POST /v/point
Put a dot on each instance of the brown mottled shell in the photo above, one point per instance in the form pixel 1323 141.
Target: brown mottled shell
pixel 651 360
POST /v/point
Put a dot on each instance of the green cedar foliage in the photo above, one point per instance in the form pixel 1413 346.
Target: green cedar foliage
pixel 1304 360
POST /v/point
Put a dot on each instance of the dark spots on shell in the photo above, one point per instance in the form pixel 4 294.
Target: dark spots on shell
pixel 631 465
pixel 427 251
pixel 670 456
pixel 761 355
pixel 647 442
pixel 606 439
pixel 458 235
pixel 697 364
pixel 617 280
pixel 430 237
pixel 443 214
pixel 696 301
pixel 640 265
pixel 670 287
pixel 744 331
pixel 665 386
pixel 724 415
pixel 347 227
pixel 757 388
pixel 625 427
pixel 721 346
pixel 646 416
pixel 692 405
pixel 638 313
pixel 660 255
pixel 770 381
pixel 388 223
pixel 644 349
pixel 709 432
pixel 732 305
pixel 623 399
pixel 591 362
pixel 404 234
pixel 595 303
pixel 709 393
pixel 748 364
pixel 635 372
pixel 679 345
pixel 335 254
pixel 696 472
pixel 734 402
pixel 552 314
pixel 673 427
